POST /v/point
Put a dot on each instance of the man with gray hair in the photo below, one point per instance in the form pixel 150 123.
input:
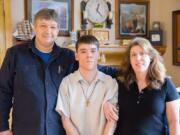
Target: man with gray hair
pixel 29 80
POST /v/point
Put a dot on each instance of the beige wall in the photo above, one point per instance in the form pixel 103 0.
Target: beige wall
pixel 163 13
pixel 174 71
pixel 160 10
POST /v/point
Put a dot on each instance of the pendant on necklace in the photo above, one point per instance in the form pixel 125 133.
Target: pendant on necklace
pixel 87 103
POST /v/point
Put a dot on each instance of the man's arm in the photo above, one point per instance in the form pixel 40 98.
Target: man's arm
pixel 6 91
pixel 68 125
pixel 109 70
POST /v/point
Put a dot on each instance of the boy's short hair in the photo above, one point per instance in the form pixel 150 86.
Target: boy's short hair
pixel 87 39
pixel 47 14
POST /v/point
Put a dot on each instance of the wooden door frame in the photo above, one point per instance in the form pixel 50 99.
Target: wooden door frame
pixel 175 37
pixel 5 27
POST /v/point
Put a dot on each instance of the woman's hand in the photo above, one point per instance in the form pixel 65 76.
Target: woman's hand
pixel 7 132
pixel 110 111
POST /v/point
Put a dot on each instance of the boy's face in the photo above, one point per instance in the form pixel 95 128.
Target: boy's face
pixel 87 55
pixel 46 32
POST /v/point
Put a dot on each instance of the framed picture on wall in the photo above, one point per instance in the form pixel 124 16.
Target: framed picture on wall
pixel 63 7
pixel 132 18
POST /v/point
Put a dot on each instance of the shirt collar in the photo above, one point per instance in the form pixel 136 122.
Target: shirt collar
pixel 55 51
pixel 79 77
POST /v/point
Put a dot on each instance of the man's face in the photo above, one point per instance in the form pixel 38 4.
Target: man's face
pixel 46 32
pixel 87 55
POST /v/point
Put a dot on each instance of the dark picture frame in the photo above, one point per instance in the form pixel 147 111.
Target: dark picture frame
pixel 65 9
pixel 132 18
pixel 175 37
pixel 156 37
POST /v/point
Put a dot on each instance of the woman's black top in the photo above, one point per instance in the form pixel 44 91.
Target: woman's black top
pixel 143 113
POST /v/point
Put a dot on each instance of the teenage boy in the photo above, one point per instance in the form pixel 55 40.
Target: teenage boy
pixel 83 93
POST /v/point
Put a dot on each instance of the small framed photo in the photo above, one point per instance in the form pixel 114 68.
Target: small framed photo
pixel 101 34
pixel 156 37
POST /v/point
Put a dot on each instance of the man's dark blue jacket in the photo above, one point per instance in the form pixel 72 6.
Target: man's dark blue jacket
pixel 30 87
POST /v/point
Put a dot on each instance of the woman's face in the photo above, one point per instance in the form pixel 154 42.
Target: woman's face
pixel 139 59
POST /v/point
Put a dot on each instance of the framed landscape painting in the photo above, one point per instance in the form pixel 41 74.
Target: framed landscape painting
pixel 63 7
pixel 132 18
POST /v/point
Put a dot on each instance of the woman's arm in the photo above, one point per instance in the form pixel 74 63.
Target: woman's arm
pixel 172 112
pixel 68 125
pixel 7 132
pixel 110 111
pixel 109 128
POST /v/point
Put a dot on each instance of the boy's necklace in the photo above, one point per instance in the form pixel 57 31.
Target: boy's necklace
pixel 87 98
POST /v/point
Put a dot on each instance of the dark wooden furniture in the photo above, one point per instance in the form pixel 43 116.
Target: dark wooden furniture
pixel 176 37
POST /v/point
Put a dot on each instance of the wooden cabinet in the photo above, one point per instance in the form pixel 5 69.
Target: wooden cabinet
pixel 176 37
pixel 113 54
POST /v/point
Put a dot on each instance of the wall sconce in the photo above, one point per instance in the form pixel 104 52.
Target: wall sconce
pixel 109 20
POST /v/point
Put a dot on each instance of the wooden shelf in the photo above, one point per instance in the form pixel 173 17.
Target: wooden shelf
pixel 160 48
pixel 113 54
